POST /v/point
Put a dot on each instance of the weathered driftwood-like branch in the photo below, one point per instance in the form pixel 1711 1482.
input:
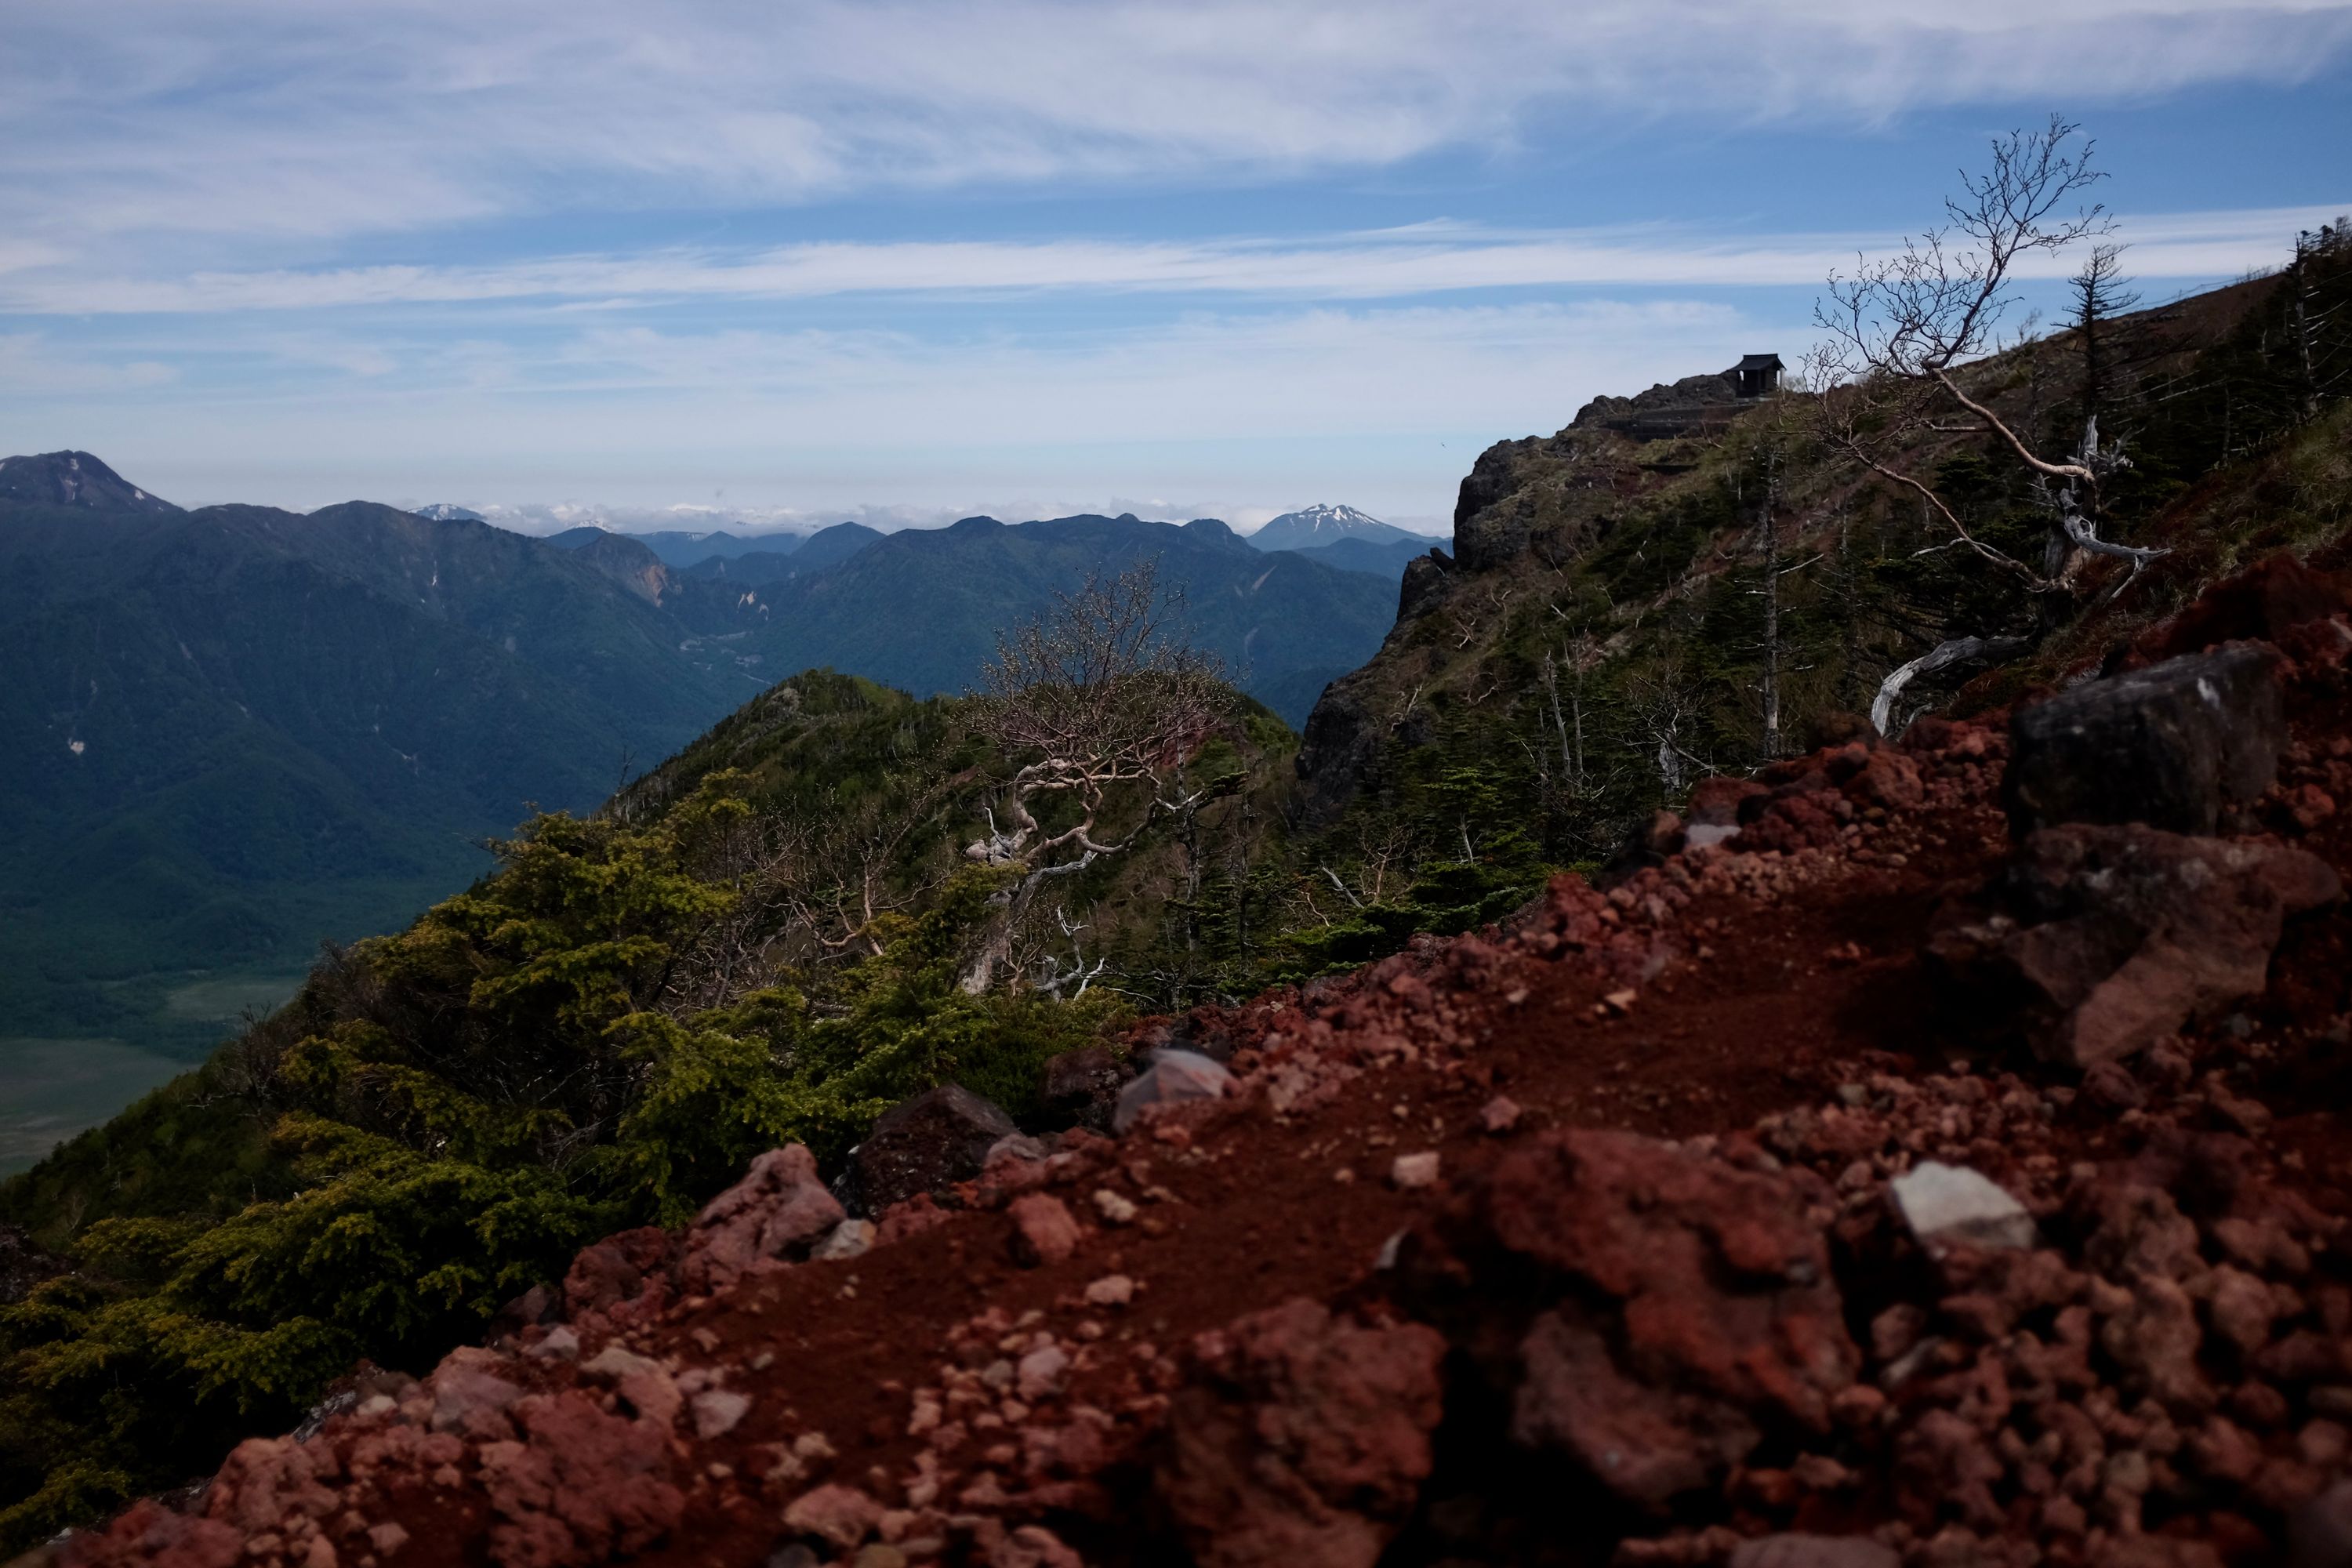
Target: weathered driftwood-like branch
pixel 1943 655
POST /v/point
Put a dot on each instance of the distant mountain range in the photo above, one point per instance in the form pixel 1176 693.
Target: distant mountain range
pixel 230 732
pixel 789 556
pixel 677 547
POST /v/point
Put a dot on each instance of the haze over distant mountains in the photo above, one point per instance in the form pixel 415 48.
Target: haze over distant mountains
pixel 233 732
pixel 1337 535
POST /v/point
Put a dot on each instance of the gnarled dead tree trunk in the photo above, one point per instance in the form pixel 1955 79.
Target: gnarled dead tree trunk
pixel 1901 330
pixel 1101 703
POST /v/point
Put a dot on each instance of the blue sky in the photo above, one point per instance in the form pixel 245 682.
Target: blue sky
pixel 796 262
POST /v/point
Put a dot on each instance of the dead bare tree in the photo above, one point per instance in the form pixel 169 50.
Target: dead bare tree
pixel 1053 978
pixel 1901 330
pixel 1384 859
pixel 1104 703
pixel 1768 535
pixel 1666 705
pixel 2305 321
pixel 1578 656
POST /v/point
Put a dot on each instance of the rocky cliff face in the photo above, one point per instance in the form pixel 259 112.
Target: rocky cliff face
pixel 1667 410
pixel 1527 506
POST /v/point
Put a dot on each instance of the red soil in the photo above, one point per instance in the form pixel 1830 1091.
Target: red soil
pixel 1711 998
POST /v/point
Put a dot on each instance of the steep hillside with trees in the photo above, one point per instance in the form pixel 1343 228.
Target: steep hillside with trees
pixel 1634 604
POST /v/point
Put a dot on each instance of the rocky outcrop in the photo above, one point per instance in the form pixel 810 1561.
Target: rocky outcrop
pixel 2098 941
pixel 939 1137
pixel 1423 586
pixel 1344 741
pixel 628 563
pixel 1678 1308
pixel 1300 1438
pixel 778 1209
pixel 2174 746
pixel 1484 534
pixel 1667 408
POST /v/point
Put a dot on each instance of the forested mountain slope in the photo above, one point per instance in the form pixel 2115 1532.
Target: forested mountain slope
pixel 1281 624
pixel 231 731
pixel 237 731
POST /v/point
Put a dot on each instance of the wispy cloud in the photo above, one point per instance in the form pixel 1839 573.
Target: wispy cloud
pixel 43 368
pixel 240 118
pixel 1426 259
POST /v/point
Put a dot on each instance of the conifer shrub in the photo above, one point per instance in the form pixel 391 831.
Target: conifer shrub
pixel 456 1110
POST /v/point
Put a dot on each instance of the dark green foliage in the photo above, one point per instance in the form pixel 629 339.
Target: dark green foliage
pixel 451 1113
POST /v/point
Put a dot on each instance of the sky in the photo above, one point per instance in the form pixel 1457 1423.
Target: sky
pixel 783 263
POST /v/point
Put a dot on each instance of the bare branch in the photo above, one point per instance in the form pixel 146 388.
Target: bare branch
pixel 1104 703
pixel 1943 655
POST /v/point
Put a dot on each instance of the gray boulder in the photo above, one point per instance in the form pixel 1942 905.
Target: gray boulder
pixel 939 1138
pixel 2099 940
pixel 2174 746
pixel 1173 1078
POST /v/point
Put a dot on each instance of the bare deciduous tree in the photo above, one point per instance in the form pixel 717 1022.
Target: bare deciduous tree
pixel 1578 658
pixel 1667 702
pixel 1102 698
pixel 1900 331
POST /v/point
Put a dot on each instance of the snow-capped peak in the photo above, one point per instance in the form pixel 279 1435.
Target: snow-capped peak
pixel 1337 519
pixel 1312 527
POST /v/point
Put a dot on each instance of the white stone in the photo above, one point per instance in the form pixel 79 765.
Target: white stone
pixel 1041 1372
pixel 1953 1204
pixel 1111 1291
pixel 558 1343
pixel 717 1412
pixel 1412 1171
pixel 850 1238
